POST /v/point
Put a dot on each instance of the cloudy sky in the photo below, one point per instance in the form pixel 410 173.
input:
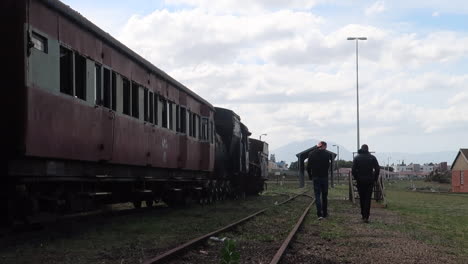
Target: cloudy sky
pixel 286 67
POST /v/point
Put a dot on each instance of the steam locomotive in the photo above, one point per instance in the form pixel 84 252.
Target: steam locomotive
pixel 88 121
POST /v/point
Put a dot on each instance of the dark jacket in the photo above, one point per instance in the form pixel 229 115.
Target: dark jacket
pixel 365 166
pixel 318 164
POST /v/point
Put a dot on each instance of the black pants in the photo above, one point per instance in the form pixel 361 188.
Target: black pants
pixel 321 194
pixel 365 188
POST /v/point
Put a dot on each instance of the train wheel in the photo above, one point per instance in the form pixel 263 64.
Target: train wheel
pixel 137 204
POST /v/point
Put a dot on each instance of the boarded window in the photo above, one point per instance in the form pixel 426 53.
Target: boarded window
pixel 66 71
pixel 126 96
pixel 98 84
pixel 114 91
pixel 80 76
pixel 164 112
pixel 151 108
pixel 135 100
pixel 107 88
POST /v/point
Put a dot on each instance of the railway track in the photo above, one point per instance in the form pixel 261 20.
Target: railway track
pixel 186 247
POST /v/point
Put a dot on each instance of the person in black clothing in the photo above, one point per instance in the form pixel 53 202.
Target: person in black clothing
pixel 318 164
pixel 366 172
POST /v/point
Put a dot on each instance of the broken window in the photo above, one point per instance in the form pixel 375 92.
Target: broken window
pixel 107 88
pixel 126 96
pixel 39 42
pixel 66 71
pixel 114 91
pixel 98 85
pixel 80 76
pixel 151 108
pixel 135 100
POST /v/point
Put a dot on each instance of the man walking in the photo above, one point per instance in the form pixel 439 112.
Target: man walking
pixel 366 171
pixel 318 164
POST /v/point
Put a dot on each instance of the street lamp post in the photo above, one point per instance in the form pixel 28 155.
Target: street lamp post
pixel 337 163
pixel 262 135
pixel 357 83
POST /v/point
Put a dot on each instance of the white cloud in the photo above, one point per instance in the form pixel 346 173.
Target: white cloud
pixel 287 76
pixel 375 8
pixel 435 14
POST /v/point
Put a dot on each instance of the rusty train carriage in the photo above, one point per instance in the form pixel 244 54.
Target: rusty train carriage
pixel 82 108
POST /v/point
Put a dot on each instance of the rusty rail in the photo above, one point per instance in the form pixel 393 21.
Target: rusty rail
pixel 171 253
pixel 282 249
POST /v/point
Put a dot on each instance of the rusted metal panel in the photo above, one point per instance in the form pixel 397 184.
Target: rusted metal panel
pixel 64 127
pixel 121 64
pixel 139 75
pixel 107 55
pixel 83 42
pixel 43 18
pixel 129 141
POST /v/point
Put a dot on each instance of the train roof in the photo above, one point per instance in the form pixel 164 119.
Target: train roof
pixel 82 21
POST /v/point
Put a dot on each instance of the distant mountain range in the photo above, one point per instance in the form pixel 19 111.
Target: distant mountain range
pixel 288 153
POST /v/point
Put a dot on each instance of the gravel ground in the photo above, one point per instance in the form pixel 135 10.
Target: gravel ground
pixel 257 240
pixel 344 238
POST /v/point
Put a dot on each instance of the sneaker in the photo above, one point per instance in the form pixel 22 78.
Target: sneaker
pixel 320 218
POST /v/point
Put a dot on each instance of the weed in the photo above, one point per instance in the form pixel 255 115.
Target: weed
pixel 229 255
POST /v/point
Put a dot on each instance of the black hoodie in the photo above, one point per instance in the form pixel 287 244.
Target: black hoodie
pixel 365 166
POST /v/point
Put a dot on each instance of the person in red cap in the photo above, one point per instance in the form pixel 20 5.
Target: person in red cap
pixel 318 164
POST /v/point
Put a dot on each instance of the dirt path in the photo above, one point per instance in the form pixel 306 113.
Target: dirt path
pixel 344 238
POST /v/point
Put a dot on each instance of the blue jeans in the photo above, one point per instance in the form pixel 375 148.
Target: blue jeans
pixel 321 194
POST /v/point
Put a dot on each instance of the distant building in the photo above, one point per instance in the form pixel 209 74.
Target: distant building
pixel 459 170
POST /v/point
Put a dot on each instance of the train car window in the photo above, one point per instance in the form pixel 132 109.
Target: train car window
pixel 126 96
pixel 66 71
pixel 156 109
pixel 177 118
pixel 39 42
pixel 199 128
pixel 145 105
pixel 80 76
pixel 189 114
pixel 135 101
pixel 204 129
pixel 183 120
pixel 164 113
pixel 171 119
pixel 98 84
pixel 194 128
pixel 114 91
pixel 211 132
pixel 151 108
pixel 107 88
